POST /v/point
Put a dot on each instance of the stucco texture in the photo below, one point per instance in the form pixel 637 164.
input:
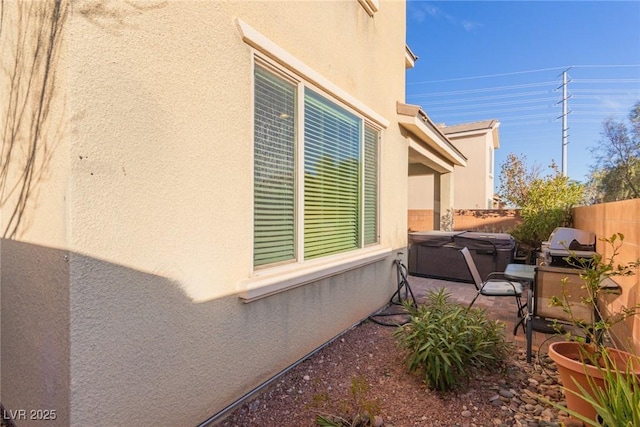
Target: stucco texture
pixel 35 331
pixel 153 208
pixel 605 220
pixel 475 181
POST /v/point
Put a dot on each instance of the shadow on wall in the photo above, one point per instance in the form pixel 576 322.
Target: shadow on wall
pixel 34 336
pixel 97 341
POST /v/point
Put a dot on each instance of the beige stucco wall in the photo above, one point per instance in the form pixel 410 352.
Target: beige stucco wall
pixel 20 104
pixel 474 183
pixel 34 267
pixel 166 118
pixel 150 194
pixel 35 344
pixel 420 192
pixel 604 220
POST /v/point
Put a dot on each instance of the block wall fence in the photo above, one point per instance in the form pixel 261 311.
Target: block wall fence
pixel 602 219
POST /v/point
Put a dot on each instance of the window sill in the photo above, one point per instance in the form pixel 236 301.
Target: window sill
pixel 265 284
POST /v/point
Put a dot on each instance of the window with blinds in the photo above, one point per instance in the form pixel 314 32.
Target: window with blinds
pixel 371 138
pixel 274 229
pixel 331 178
pixel 335 207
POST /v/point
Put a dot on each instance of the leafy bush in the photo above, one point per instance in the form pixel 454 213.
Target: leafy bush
pixel 446 341
pixel 545 201
pixel 548 205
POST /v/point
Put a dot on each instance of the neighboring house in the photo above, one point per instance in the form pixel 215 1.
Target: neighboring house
pixel 471 181
pixel 224 190
pixel 478 141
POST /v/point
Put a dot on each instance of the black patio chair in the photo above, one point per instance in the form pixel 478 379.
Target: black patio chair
pixel 495 285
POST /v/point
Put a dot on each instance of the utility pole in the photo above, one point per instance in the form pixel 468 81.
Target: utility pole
pixel 565 127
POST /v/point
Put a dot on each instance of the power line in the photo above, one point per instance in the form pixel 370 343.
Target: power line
pixel 479 90
pixel 526 116
pixel 516 123
pixel 491 104
pixel 618 90
pixel 594 121
pixel 487 76
pixel 606 80
pixel 485 98
pixel 523 72
pixel 528 106
pixel 606 66
pixel 597 113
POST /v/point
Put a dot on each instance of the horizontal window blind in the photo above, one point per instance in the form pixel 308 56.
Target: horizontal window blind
pixel 331 178
pixel 274 169
pixel 370 186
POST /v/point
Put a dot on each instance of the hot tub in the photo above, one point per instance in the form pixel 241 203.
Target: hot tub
pixel 436 254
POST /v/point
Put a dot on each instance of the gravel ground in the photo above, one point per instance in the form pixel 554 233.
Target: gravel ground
pixel 367 357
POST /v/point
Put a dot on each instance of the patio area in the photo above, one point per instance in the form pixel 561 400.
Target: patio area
pixel 499 308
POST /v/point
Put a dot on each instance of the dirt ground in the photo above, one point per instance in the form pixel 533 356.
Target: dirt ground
pixel 363 369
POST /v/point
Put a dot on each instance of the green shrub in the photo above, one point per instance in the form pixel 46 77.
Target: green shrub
pixel 545 202
pixel 446 341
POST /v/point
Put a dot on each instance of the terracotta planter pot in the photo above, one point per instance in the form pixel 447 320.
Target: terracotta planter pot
pixel 568 357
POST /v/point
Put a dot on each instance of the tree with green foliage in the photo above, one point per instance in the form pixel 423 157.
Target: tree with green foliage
pixel 545 202
pixel 515 179
pixel 616 172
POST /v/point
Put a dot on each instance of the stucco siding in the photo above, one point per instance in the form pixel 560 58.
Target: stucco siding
pixel 473 187
pixel 35 346
pixel 164 145
pixel 420 192
pixel 161 160
pixel 149 203
pixel 604 220
pixel 141 346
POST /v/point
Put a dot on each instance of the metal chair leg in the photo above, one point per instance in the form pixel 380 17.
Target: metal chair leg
pixel 529 327
pixel 474 300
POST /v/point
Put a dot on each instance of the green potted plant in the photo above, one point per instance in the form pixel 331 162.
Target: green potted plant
pixel 615 399
pixel 589 353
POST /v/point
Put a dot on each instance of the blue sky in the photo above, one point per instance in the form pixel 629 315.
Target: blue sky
pixel 504 59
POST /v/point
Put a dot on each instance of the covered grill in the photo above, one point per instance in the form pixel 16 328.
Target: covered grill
pixel 564 241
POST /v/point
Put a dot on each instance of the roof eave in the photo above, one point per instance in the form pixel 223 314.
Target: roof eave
pixel 416 121
pixel 410 58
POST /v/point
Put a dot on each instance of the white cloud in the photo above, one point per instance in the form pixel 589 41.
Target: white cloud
pixel 420 11
pixel 432 10
pixel 470 26
pixel 418 15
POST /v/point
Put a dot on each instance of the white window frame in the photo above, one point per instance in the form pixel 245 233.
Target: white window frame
pixel 265 281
